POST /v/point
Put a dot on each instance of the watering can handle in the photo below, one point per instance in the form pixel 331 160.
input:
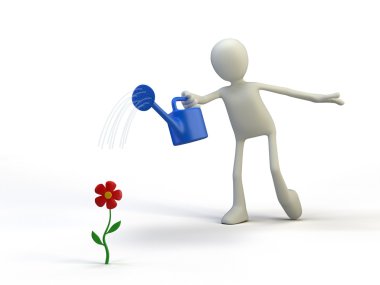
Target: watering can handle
pixel 175 100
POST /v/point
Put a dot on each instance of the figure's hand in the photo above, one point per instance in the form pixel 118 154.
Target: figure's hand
pixel 192 100
pixel 332 98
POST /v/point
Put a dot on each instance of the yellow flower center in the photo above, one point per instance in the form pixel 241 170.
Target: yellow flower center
pixel 108 195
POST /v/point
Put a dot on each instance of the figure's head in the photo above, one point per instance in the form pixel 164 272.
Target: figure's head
pixel 229 59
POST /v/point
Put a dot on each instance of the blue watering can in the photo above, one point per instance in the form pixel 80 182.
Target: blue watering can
pixel 185 126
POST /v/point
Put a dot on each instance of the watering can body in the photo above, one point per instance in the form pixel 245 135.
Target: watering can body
pixel 185 125
pixel 190 123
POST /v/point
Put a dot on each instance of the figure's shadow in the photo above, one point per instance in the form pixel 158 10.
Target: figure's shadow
pixel 197 226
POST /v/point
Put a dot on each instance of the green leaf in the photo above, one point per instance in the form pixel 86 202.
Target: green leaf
pixel 114 227
pixel 96 238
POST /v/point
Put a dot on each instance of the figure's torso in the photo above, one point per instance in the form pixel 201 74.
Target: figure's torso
pixel 248 115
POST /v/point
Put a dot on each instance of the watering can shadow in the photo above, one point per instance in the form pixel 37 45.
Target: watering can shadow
pixel 185 126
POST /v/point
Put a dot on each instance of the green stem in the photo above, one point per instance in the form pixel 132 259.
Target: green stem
pixel 104 240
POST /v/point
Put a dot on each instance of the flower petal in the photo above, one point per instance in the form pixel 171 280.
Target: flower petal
pixel 100 189
pixel 117 195
pixel 100 201
pixel 111 203
pixel 110 185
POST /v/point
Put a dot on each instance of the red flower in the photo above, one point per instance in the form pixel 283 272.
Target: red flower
pixel 108 195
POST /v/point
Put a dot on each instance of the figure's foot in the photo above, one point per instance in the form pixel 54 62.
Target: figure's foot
pixel 292 205
pixel 236 215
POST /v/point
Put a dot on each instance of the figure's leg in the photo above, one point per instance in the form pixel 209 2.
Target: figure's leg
pixel 238 212
pixel 288 198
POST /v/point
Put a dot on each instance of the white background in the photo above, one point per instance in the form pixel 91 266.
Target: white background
pixel 63 66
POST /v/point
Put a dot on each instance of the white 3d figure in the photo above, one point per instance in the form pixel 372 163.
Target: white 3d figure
pixel 250 118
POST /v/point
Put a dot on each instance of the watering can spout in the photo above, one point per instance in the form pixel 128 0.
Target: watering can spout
pixel 175 125
pixel 185 126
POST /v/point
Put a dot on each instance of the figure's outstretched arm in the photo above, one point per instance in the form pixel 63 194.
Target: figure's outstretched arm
pixel 194 100
pixel 316 98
